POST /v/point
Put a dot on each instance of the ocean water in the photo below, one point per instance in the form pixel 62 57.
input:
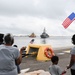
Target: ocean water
pixel 54 41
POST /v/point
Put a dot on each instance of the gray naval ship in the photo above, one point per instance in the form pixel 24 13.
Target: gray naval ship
pixel 44 34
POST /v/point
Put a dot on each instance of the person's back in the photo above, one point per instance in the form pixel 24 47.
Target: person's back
pixel 54 69
pixel 8 54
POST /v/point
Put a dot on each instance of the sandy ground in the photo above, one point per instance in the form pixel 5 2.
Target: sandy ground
pixel 33 64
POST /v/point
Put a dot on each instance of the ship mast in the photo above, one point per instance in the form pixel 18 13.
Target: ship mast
pixel 44 30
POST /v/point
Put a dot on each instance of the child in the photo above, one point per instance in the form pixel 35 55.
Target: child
pixel 54 69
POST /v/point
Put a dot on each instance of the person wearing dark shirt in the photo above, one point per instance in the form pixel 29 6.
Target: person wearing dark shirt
pixel 1 38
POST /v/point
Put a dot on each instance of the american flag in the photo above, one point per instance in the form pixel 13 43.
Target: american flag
pixel 68 20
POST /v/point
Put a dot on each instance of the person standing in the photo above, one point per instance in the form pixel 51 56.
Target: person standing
pixel 54 69
pixel 8 56
pixel 1 38
pixel 71 65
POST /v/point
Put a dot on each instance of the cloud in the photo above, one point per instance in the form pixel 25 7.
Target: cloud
pixel 44 8
pixel 27 16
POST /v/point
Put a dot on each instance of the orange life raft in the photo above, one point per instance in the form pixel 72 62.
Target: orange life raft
pixel 49 52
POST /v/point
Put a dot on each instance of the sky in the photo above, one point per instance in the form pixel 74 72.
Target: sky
pixel 28 16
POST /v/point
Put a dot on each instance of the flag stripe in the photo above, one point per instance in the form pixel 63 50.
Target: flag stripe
pixel 68 20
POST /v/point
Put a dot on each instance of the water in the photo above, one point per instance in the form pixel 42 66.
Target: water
pixel 54 41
